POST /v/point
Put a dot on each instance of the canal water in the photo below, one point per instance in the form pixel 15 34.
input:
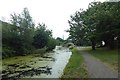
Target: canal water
pixel 51 65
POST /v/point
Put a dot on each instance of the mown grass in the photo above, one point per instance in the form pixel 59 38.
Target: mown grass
pixel 110 57
pixel 75 67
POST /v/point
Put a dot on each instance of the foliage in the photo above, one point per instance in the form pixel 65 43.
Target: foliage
pixel 41 37
pixel 60 41
pixel 100 22
pixel 9 40
pixel 7 52
pixel 40 51
pixel 21 37
pixel 51 44
pixel 24 28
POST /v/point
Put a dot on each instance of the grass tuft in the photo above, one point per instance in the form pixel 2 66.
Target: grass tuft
pixel 75 68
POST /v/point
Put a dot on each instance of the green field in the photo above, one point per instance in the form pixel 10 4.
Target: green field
pixel 75 68
pixel 109 57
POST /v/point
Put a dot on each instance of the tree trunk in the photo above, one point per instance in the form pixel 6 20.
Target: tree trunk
pixel 110 43
pixel 93 43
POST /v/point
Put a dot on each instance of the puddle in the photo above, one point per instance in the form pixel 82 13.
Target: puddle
pixel 51 65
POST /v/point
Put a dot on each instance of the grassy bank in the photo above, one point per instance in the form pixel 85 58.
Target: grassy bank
pixel 110 57
pixel 75 68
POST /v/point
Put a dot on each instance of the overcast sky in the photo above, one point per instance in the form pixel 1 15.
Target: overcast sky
pixel 54 13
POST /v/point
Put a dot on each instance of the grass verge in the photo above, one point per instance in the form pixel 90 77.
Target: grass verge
pixel 110 57
pixel 75 67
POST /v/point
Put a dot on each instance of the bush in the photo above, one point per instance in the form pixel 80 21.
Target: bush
pixel 7 52
pixel 40 51
pixel 51 44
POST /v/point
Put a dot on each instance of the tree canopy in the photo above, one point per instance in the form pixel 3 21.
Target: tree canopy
pixel 100 22
pixel 21 36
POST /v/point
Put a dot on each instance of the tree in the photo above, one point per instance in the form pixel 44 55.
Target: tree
pixel 51 43
pixel 25 30
pixel 100 22
pixel 105 21
pixel 77 29
pixel 21 37
pixel 41 36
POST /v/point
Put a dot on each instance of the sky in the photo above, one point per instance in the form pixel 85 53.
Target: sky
pixel 54 13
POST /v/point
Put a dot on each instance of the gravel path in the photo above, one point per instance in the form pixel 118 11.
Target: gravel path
pixel 97 69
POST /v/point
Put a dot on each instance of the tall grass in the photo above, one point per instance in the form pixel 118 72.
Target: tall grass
pixel 75 68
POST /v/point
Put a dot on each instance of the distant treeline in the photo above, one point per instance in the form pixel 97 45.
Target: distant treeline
pixel 99 23
pixel 22 37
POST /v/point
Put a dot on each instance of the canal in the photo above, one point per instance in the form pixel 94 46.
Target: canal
pixel 50 65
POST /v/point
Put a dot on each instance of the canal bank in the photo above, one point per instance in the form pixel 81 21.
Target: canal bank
pixel 76 67
pixel 50 65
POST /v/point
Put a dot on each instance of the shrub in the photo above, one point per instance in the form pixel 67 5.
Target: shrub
pixel 7 52
pixel 40 51
pixel 51 44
